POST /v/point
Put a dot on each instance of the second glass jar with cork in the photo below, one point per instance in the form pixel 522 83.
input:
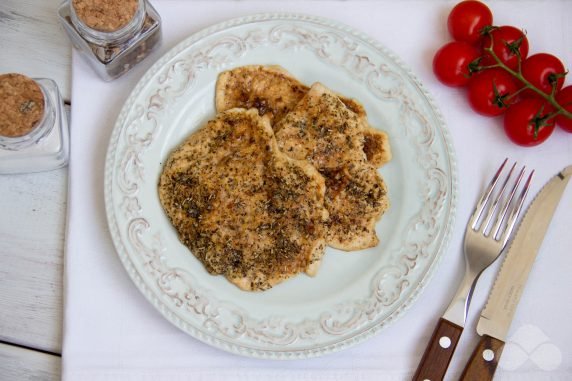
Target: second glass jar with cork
pixel 113 35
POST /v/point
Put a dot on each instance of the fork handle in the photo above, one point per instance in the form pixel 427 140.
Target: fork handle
pixel 439 351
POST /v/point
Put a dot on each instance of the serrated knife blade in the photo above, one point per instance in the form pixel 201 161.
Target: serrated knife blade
pixel 509 284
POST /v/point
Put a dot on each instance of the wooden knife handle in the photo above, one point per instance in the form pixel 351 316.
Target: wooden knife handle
pixel 484 360
pixel 439 352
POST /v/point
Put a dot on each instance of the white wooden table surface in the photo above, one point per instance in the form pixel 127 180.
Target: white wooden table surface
pixel 33 208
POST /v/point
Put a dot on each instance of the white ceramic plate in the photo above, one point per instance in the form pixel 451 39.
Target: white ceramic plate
pixel 354 294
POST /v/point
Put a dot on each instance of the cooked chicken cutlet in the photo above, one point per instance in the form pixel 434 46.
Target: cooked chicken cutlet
pixel 270 89
pixel 245 209
pixel 376 143
pixel 323 131
pixel 376 147
pixel 274 92
pixel 356 198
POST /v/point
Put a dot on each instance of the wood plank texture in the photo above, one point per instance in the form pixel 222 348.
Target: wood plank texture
pixel 19 364
pixel 33 43
pixel 31 258
pixel 33 207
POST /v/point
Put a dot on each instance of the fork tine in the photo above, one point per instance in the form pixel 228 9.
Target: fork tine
pixel 485 197
pixel 516 210
pixel 502 215
pixel 492 210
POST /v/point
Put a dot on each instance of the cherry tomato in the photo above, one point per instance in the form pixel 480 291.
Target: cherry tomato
pixel 451 63
pixel 507 41
pixel 524 124
pixel 564 98
pixel 489 91
pixel 542 70
pixel 467 19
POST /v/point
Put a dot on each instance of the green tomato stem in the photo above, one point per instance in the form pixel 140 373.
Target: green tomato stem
pixel 549 98
pixel 516 93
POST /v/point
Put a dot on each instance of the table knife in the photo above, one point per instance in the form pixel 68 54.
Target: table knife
pixel 494 323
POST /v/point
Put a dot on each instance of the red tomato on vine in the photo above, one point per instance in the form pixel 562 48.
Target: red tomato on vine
pixel 451 63
pixel 564 98
pixel 490 91
pixel 493 61
pixel 544 71
pixel 528 123
pixel 508 44
pixel 467 19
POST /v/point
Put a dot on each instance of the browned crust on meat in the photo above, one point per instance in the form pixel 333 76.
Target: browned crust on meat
pixel 323 131
pixel 243 208
pixel 356 198
pixel 270 89
pixel 274 92
pixel 376 147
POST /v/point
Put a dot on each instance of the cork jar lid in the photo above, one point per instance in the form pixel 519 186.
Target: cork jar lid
pixel 21 105
pixel 105 15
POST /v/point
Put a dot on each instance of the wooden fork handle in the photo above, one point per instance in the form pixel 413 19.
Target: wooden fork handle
pixel 484 360
pixel 439 351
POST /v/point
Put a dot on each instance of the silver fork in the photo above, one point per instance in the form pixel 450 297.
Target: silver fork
pixel 486 236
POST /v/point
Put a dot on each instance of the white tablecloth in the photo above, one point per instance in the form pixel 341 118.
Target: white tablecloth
pixel 112 333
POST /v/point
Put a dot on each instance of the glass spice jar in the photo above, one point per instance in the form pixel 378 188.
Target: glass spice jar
pixel 34 133
pixel 112 35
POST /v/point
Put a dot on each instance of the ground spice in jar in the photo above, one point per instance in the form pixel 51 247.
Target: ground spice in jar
pixel 113 35
pixel 105 15
pixel 21 105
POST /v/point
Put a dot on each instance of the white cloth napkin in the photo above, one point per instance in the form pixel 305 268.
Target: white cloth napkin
pixel 112 333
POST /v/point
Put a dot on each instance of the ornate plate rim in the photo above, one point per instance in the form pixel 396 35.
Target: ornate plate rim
pixel 221 343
